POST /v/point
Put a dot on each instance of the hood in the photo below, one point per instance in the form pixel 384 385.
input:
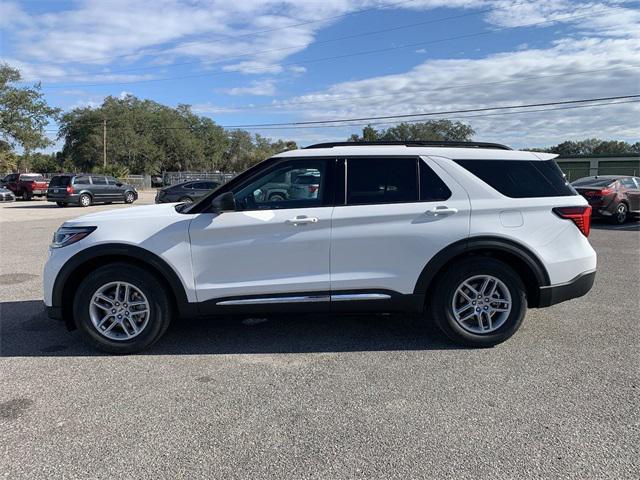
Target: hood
pixel 131 214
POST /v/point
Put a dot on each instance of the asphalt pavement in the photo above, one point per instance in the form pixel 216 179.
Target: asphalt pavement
pixel 320 397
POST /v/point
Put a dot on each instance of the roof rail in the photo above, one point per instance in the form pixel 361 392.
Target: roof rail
pixel 414 143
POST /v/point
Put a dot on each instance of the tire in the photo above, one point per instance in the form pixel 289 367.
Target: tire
pixel 85 200
pixel 276 197
pixel 61 204
pixel 27 195
pixel 152 325
pixel 129 197
pixel 620 214
pixel 474 271
pixel 186 200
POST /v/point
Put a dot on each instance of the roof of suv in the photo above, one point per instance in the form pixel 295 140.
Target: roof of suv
pixel 457 150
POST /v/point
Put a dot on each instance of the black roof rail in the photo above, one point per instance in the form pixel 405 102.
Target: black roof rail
pixel 414 143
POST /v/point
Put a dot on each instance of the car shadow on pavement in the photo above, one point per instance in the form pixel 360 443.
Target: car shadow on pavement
pixel 25 331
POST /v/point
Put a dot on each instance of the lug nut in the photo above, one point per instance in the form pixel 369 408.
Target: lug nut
pixel 113 311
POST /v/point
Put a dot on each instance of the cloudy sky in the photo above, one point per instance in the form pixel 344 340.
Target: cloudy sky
pixel 266 61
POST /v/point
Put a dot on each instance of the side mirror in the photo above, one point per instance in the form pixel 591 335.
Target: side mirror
pixel 224 203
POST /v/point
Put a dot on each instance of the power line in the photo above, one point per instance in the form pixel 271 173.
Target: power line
pixel 446 112
pixel 456 117
pixel 349 122
pixel 323 59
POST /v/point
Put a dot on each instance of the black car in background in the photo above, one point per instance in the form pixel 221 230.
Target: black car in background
pixel 186 192
pixel 87 189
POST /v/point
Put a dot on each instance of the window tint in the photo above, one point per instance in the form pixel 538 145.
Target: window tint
pixel 210 185
pixel 112 181
pixel 628 183
pixel 203 185
pixel 99 180
pixel 60 181
pixel 381 180
pixel 267 191
pixel 521 178
pixel 432 189
pixel 84 180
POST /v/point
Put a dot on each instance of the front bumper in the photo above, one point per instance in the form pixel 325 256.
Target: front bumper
pixel 579 286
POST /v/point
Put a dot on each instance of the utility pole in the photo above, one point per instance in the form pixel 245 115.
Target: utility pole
pixel 104 143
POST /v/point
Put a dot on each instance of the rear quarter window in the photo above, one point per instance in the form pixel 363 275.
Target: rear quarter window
pixel 60 181
pixel 521 178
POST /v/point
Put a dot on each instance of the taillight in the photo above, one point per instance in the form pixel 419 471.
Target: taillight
pixel 313 188
pixel 605 191
pixel 598 193
pixel 581 216
pixel 70 189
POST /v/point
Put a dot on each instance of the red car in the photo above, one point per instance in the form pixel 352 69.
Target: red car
pixel 613 197
pixel 26 185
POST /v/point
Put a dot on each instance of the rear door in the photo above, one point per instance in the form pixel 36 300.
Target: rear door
pixel 100 189
pixel 633 193
pixel 116 189
pixel 396 214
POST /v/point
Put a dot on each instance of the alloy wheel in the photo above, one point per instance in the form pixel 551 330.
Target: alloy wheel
pixel 481 304
pixel 119 311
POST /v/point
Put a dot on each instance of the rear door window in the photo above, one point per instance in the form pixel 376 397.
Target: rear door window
pixel 84 180
pixel 521 178
pixel 628 183
pixel 381 180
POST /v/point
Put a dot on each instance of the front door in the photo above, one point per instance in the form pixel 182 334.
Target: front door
pixel 269 251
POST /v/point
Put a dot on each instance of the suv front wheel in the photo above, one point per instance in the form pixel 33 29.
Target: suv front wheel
pixel 479 302
pixel 121 308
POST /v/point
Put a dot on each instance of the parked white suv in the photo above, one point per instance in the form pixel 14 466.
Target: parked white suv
pixel 468 234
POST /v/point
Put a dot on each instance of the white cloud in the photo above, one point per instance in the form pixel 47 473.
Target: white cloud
pixel 264 88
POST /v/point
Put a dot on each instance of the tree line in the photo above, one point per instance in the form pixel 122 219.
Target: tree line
pixel 143 136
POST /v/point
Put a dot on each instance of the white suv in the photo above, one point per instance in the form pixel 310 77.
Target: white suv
pixel 468 234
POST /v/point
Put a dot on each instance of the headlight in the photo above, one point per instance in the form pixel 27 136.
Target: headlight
pixel 68 235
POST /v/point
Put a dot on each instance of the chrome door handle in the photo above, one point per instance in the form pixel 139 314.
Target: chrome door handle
pixel 442 210
pixel 301 220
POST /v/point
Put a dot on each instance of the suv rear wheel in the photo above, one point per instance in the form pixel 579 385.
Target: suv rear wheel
pixel 479 302
pixel 121 308
pixel 129 197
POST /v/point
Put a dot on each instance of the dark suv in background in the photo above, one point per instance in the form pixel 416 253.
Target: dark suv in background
pixel 186 192
pixel 613 197
pixel 87 189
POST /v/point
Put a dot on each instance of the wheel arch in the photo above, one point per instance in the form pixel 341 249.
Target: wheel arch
pixel 86 261
pixel 525 263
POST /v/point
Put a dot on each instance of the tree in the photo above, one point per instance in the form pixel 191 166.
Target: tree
pixel 593 146
pixel 432 130
pixel 24 113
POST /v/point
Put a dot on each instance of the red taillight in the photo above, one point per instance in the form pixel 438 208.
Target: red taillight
pixel 598 193
pixel 70 189
pixel 581 216
pixel 313 188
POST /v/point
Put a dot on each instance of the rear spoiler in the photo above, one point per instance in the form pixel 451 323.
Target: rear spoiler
pixel 545 156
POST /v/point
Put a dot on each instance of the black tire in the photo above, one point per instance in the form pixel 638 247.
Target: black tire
pixel 61 204
pixel 443 295
pixel 129 197
pixel 27 195
pixel 186 200
pixel 277 197
pixel 159 306
pixel 620 214
pixel 85 200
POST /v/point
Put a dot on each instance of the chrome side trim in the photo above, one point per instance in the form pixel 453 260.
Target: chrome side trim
pixel 346 297
pixel 270 300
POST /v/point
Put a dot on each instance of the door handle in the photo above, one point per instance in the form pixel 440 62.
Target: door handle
pixel 441 210
pixel 301 220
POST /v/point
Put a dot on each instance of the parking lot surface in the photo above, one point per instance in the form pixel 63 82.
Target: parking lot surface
pixel 320 397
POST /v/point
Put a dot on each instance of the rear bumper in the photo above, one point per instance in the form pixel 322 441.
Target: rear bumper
pixel 579 286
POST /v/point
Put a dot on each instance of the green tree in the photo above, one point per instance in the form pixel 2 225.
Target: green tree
pixel 24 113
pixel 593 146
pixel 432 130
